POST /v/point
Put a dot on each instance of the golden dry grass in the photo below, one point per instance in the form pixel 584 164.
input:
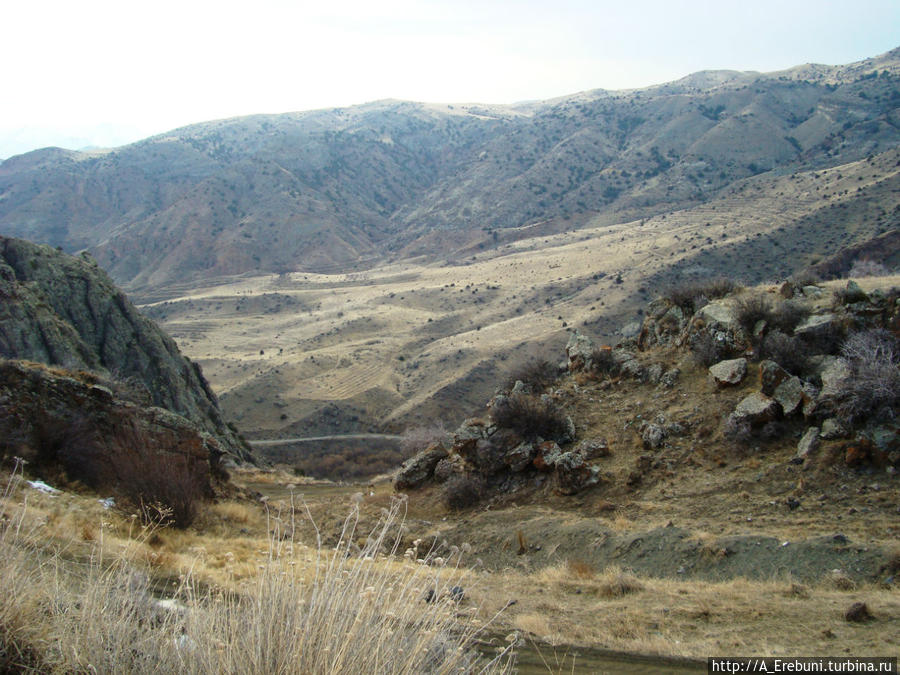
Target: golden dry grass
pixel 305 609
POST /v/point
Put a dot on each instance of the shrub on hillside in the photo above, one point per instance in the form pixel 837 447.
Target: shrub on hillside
pixel 868 268
pixel 531 417
pixel 706 350
pixel 692 295
pixel 163 488
pixel 750 308
pixel 462 492
pixel 788 352
pixel 603 362
pixel 786 316
pixel 874 387
pixel 538 374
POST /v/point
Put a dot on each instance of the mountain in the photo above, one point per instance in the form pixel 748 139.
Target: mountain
pixel 64 311
pixel 342 189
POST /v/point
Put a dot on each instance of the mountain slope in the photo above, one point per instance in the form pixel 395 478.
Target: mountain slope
pixel 341 189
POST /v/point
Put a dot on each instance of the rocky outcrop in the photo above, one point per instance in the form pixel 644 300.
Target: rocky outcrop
pixel 56 419
pixel 420 468
pixel 65 311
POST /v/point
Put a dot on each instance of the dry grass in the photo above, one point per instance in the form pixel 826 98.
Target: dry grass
pixel 667 617
pixel 306 609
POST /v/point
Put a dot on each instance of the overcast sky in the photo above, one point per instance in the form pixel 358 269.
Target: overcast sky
pixel 107 72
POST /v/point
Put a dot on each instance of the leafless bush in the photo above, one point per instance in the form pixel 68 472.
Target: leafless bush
pixel 462 492
pixel 692 295
pixel 706 350
pixel 788 315
pixel 603 362
pixel 868 268
pixel 163 488
pixel 874 387
pixel 788 352
pixel 531 417
pixel 804 278
pixel 416 439
pixel 750 309
pixel 538 374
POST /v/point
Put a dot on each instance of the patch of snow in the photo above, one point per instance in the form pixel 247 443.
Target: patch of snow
pixel 43 487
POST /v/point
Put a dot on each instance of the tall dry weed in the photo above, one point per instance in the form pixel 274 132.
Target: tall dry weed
pixel 310 609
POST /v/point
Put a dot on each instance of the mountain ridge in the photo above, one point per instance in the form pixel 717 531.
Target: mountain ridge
pixel 340 188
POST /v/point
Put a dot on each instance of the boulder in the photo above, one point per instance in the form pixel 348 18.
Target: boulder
pixel 547 455
pixel 520 457
pixel 834 371
pixel 852 293
pixel 817 326
pixel 770 376
pixel 593 448
pixel 416 470
pixel 466 437
pixel 488 457
pixel 832 428
pixel 756 409
pixel 579 351
pixel 718 315
pixel 812 291
pixel 790 395
pixel 574 474
pixel 730 372
pixel 652 435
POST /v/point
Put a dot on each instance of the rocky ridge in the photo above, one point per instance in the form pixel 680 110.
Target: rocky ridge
pixel 339 189
pixel 828 373
pixel 64 311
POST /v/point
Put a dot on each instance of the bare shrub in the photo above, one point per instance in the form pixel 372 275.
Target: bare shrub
pixel 804 278
pixel 788 352
pixel 706 350
pixel 750 309
pixel 868 268
pixel 463 491
pixel 615 583
pixel 416 439
pixel 692 295
pixel 579 569
pixel 874 387
pixel 163 487
pixel 531 417
pixel 788 315
pixel 603 362
pixel 538 374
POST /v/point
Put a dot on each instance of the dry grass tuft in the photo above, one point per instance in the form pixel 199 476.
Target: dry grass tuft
pixel 615 583
pixel 580 569
pixel 839 580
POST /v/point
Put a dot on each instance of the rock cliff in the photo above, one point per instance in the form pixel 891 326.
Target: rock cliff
pixel 64 311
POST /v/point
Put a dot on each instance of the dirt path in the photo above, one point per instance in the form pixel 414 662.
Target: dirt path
pixel 288 441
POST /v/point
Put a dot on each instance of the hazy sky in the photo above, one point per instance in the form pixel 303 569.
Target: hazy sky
pixel 105 72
